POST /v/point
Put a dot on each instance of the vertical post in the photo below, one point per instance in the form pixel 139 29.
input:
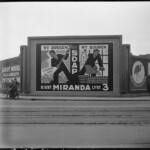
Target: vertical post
pixel 148 83
pixel 125 60
pixel 24 69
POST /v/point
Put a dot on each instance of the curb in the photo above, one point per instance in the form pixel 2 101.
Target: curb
pixel 146 98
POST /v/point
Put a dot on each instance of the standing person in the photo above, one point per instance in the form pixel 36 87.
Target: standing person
pixel 16 87
pixel 57 61
pixel 12 89
pixel 91 61
pixel 8 92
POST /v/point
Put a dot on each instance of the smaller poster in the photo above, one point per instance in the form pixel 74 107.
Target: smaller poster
pixel 138 76
pixel 8 74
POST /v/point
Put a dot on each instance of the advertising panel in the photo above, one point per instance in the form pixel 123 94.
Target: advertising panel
pixel 9 70
pixel 74 67
pixel 138 75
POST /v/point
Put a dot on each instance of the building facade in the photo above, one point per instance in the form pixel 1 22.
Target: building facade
pixel 69 66
pixel 114 80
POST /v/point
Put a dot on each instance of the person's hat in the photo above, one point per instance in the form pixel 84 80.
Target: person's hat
pixel 52 51
pixel 96 49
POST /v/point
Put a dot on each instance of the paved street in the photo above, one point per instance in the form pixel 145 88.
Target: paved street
pixel 76 123
pixel 74 112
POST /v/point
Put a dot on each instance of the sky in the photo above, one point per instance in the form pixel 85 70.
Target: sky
pixel 20 20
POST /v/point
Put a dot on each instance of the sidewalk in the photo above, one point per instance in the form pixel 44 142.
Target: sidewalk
pixel 69 98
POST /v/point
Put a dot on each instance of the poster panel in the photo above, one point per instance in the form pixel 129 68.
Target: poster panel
pixel 74 67
pixel 9 73
pixel 138 76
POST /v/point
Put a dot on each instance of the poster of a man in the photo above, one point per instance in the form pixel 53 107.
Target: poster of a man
pixel 57 61
pixel 90 65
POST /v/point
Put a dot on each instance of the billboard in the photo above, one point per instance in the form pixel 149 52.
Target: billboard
pixel 74 67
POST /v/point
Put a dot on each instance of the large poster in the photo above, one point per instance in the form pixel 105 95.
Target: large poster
pixel 74 67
